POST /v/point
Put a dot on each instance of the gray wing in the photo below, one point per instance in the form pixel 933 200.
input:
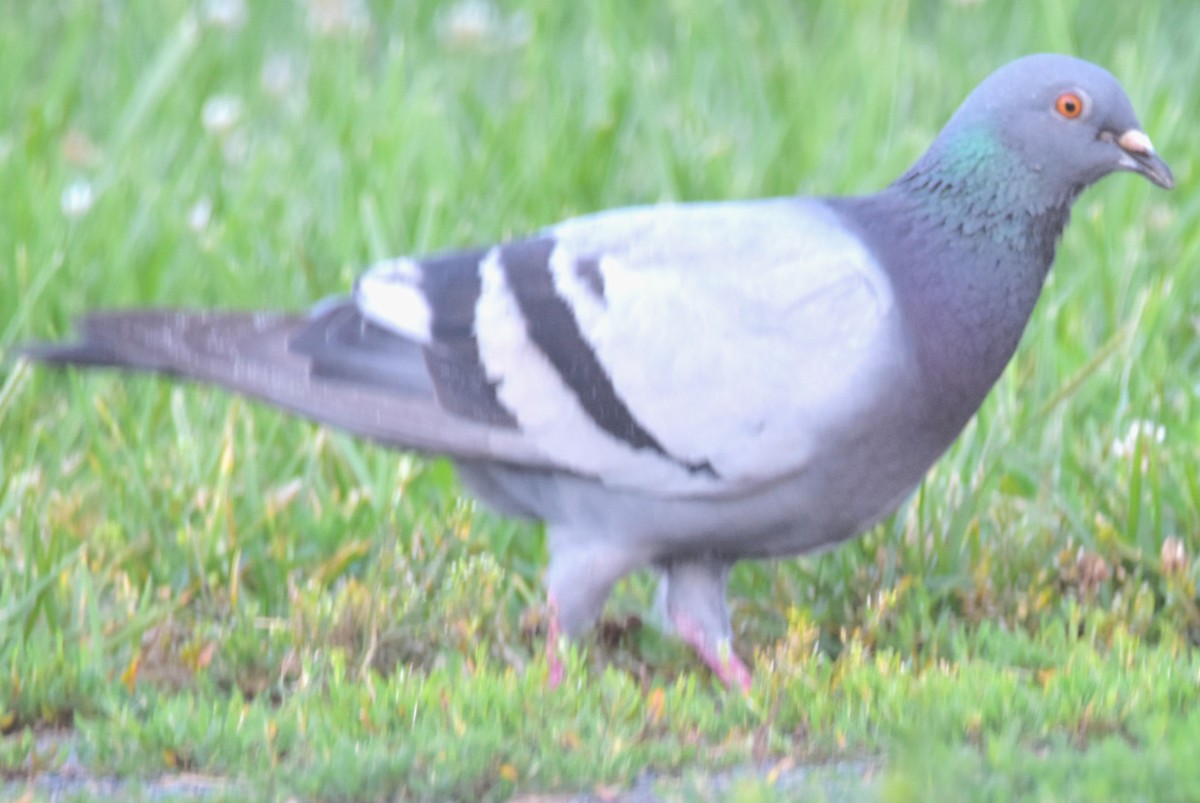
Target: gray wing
pixel 680 350
pixel 687 350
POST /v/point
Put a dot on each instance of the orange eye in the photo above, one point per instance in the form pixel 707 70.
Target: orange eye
pixel 1069 105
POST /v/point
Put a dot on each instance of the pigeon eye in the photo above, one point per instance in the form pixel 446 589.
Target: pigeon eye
pixel 1069 105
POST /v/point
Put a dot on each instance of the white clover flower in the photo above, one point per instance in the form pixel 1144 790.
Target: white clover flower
pixel 478 24
pixel 200 214
pixel 279 75
pixel 77 198
pixel 228 14
pixel 1173 555
pixel 328 17
pixel 1140 430
pixel 221 113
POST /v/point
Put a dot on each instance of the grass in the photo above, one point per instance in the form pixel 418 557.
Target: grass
pixel 194 587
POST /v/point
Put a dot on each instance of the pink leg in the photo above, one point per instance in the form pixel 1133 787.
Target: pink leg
pixel 718 655
pixel 578 581
pixel 553 645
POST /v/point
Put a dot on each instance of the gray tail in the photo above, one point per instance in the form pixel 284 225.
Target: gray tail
pixel 331 366
pixel 199 345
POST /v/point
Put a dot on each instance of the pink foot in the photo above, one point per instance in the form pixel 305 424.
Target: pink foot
pixel 553 635
pixel 719 656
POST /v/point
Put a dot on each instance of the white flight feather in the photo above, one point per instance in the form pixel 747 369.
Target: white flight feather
pixel 389 294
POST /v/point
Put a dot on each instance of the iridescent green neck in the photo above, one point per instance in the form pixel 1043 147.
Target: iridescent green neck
pixel 972 181
pixel 975 152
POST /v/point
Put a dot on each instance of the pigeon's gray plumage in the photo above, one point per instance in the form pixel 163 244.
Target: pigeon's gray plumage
pixel 684 386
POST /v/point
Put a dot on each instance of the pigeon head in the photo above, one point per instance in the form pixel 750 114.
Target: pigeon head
pixel 1038 131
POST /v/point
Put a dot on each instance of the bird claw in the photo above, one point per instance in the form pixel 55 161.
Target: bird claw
pixel 554 664
pixel 717 654
pixel 732 671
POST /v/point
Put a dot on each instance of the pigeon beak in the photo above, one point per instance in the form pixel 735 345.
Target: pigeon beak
pixel 1137 154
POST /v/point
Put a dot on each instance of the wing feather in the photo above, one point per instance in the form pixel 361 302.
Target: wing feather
pixel 689 349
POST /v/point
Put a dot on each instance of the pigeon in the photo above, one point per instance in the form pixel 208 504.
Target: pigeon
pixel 682 386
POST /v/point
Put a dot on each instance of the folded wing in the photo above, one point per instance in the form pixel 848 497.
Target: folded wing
pixel 698 349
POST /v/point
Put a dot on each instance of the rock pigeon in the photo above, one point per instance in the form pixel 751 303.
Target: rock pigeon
pixel 683 386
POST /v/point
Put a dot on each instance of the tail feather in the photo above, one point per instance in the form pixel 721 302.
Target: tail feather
pixel 376 385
